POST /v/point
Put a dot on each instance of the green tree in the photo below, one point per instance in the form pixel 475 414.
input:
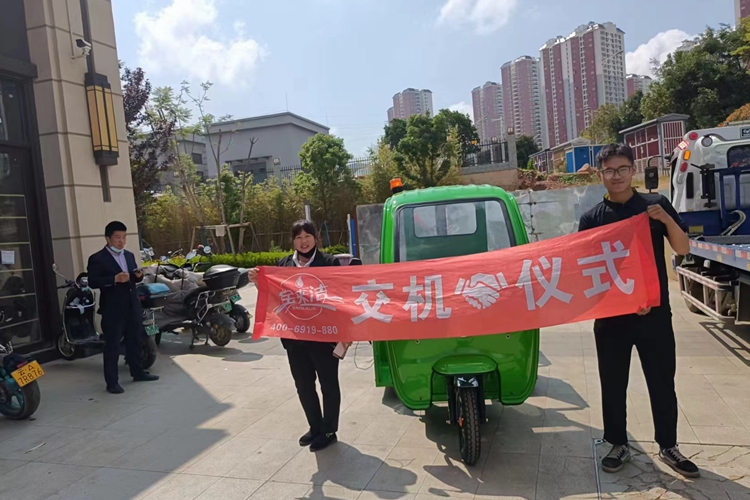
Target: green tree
pixel 394 132
pixel 466 133
pixel 325 172
pixel 707 83
pixel 376 186
pixel 630 113
pixel 430 154
pixel 525 147
pixel 605 125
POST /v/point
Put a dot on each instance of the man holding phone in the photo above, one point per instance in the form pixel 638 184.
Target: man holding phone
pixel 114 272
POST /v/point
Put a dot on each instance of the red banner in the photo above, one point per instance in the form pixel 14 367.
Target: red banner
pixel 609 271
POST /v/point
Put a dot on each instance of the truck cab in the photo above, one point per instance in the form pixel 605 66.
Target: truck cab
pixel 710 189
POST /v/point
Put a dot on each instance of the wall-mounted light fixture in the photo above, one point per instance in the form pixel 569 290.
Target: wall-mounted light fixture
pixel 102 119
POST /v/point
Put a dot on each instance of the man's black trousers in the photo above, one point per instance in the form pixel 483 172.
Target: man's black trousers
pixel 653 336
pixel 310 361
pixel 114 329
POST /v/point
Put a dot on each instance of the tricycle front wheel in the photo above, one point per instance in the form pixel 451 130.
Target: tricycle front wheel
pixel 470 436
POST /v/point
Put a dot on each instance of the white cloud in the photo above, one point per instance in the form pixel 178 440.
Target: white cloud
pixel 177 40
pixel 462 107
pixel 659 47
pixel 486 15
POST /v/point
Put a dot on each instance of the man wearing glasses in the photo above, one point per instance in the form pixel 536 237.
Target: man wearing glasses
pixel 649 330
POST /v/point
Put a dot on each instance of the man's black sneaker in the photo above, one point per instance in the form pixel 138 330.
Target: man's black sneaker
pixel 616 458
pixel 145 377
pixel 308 438
pixel 323 441
pixel 673 458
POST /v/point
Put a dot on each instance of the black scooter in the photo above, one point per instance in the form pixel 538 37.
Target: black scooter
pixel 79 327
pixel 19 389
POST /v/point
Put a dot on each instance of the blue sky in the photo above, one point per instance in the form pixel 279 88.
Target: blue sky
pixel 339 62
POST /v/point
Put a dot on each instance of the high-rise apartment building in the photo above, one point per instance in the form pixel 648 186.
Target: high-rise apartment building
pixel 638 82
pixel 523 97
pixel 411 102
pixel 741 9
pixel 581 72
pixel 488 111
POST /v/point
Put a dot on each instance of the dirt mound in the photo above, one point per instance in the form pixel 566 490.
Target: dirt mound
pixel 537 181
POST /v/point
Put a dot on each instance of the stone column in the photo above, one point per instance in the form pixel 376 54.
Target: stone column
pixel 77 210
pixel 513 160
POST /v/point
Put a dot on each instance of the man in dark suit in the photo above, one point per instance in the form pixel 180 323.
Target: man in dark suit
pixel 114 272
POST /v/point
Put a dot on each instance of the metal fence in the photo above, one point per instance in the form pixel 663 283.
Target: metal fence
pixel 359 167
pixel 486 154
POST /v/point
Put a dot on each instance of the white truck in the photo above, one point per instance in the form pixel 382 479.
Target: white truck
pixel 710 189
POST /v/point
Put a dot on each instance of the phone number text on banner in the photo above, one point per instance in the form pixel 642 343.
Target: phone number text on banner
pixel 604 272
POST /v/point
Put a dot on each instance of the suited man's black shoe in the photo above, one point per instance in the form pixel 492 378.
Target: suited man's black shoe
pixel 323 441
pixel 115 389
pixel 145 377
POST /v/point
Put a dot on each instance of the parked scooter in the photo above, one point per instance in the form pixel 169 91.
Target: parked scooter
pixel 19 389
pixel 79 326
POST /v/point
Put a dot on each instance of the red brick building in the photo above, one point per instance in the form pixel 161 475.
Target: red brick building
pixel 657 137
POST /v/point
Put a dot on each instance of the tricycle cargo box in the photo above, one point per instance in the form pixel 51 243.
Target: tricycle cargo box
pixel 221 277
pixel 153 295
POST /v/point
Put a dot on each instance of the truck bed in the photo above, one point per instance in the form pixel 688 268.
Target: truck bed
pixel 733 251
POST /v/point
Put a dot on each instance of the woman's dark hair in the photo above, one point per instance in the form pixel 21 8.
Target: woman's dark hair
pixel 612 151
pixel 304 225
pixel 114 227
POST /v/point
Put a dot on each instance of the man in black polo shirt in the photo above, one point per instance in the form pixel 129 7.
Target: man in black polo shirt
pixel 649 330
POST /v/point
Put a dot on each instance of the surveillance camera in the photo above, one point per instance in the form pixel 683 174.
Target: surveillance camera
pixel 85 48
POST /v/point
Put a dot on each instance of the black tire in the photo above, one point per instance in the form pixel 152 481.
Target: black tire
pixel 148 353
pixel 241 318
pixel 157 338
pixel 32 396
pixel 692 308
pixel 66 350
pixel 221 335
pixel 470 436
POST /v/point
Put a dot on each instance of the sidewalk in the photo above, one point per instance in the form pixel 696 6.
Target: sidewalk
pixel 223 423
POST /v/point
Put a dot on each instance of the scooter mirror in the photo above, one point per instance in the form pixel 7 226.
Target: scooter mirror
pixel 163 258
pixel 207 249
pixel 191 255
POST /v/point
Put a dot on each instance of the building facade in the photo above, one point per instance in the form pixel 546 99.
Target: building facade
pixel 60 184
pixel 411 102
pixel 741 9
pixel 638 82
pixel 581 72
pixel 487 102
pixel 523 97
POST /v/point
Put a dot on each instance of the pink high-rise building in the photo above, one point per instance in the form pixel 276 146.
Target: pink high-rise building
pixel 741 9
pixel 581 72
pixel 488 111
pixel 410 102
pixel 522 97
pixel 638 82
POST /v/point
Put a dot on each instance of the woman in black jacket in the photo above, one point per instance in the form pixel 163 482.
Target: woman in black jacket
pixel 308 359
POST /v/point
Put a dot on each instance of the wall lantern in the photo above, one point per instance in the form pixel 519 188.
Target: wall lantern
pixel 102 119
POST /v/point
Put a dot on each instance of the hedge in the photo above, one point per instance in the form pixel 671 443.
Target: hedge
pixel 254 259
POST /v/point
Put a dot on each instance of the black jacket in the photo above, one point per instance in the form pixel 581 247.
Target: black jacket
pixel 320 260
pixel 117 299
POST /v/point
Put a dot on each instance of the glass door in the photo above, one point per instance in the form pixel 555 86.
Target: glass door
pixel 19 317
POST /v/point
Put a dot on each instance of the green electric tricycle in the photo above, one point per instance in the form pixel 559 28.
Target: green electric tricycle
pixel 464 372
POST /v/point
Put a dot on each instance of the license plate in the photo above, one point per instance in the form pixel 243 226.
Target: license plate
pixel 152 330
pixel 235 297
pixel 227 306
pixel 27 373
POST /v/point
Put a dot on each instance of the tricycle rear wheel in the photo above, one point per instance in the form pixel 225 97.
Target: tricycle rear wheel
pixel 470 436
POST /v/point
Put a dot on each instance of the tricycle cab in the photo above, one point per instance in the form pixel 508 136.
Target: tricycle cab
pixel 449 222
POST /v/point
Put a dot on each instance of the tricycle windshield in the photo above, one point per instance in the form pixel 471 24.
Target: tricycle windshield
pixel 450 229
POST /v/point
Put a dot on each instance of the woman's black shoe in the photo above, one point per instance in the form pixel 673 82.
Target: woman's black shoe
pixel 115 389
pixel 323 441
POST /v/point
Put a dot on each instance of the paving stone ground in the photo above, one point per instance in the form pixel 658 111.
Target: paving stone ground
pixel 222 423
